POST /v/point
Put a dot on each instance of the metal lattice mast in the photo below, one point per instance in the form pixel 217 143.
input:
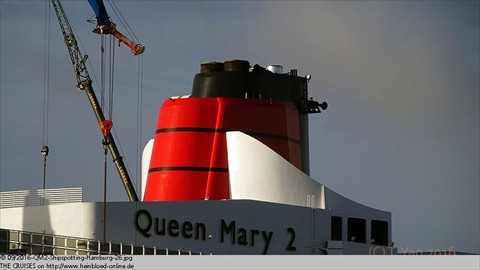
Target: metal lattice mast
pixel 78 60
pixel 85 83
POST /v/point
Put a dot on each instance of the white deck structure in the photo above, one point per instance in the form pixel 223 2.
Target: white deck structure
pixel 276 211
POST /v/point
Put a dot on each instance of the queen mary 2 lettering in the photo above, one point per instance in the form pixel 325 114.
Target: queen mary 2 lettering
pixel 229 233
pixel 243 236
pixel 147 225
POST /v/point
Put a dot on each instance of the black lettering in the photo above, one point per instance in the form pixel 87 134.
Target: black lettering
pixel 230 229
pixel 242 238
pixel 290 246
pixel 161 230
pixel 143 230
pixel 173 228
pixel 187 229
pixel 200 227
pixel 266 239
pixel 144 222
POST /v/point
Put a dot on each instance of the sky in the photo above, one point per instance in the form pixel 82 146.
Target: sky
pixel 401 78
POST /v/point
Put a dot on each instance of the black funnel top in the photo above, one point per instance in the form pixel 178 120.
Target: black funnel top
pixel 236 79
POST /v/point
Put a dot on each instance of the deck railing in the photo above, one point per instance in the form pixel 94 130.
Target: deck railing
pixel 22 242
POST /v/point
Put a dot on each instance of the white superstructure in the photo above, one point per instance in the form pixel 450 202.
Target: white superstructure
pixel 279 210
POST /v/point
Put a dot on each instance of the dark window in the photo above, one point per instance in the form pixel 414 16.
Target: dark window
pixel 357 229
pixel 336 229
pixel 379 233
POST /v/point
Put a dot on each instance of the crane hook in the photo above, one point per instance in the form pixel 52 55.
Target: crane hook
pixel 106 126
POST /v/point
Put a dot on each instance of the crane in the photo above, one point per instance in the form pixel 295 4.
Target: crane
pixel 105 26
pixel 85 83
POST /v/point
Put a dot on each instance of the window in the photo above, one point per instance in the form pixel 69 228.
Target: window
pixel 379 233
pixel 357 229
pixel 336 229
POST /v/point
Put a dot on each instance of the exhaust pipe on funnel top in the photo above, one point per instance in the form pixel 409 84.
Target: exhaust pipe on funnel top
pixel 275 69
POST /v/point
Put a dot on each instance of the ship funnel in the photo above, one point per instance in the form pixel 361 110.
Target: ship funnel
pixel 189 153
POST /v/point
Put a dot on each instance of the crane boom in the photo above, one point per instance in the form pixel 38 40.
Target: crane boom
pixel 85 83
pixel 105 27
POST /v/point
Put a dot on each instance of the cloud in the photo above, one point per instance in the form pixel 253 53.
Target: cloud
pixel 396 58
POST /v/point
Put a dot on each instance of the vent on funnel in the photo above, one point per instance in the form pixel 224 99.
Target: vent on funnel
pixel 275 69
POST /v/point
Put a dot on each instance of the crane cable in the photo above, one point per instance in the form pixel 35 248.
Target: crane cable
pixel 102 71
pixel 130 32
pixel 107 80
pixel 111 79
pixel 139 120
pixel 123 21
pixel 105 141
pixel 46 90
